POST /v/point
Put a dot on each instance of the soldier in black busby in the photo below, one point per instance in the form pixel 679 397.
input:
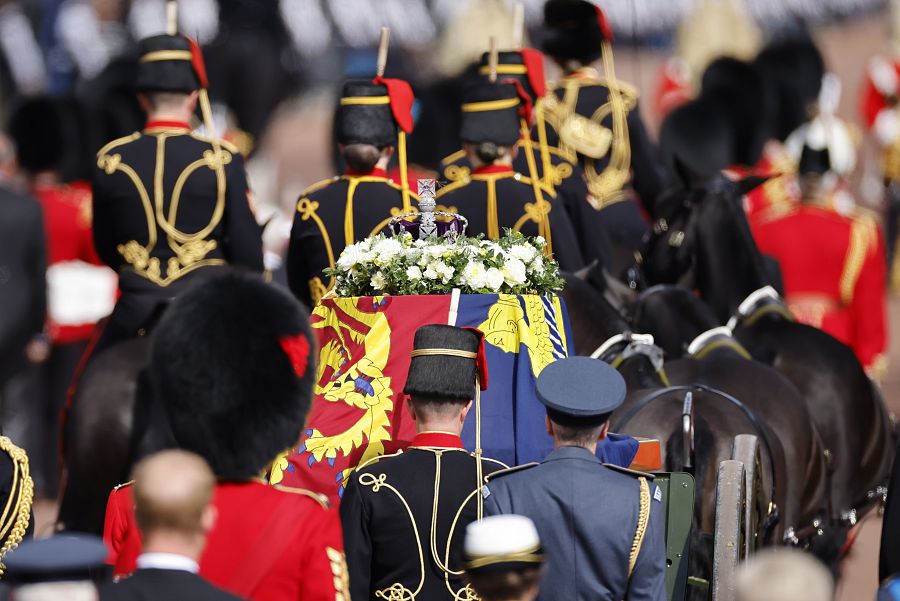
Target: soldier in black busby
pixel 372 122
pixel 536 158
pixel 494 196
pixel 404 515
pixel 595 120
pixel 169 207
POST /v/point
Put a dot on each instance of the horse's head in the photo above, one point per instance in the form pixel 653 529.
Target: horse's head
pixel 706 236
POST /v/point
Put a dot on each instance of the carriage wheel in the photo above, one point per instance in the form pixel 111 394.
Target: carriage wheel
pixel 729 528
pixel 746 450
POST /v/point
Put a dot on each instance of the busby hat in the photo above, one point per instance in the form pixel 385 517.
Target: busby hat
pixel 696 139
pixel 575 30
pixel 525 66
pixel 502 543
pixel 445 362
pixel 794 69
pixel 491 113
pixel 36 126
pixel 372 110
pixel 170 63
pixel 233 365
pixel 743 95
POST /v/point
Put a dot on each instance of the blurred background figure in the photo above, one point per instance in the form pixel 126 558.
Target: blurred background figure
pixel 173 508
pixel 62 567
pixel 23 301
pixel 80 291
pixel 504 558
pixel 783 575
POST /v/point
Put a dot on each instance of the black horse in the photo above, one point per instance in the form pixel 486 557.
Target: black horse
pixel 705 240
pixel 731 396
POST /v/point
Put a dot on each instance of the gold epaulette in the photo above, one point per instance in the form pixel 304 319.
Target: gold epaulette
pixel 863 240
pixel 628 472
pixel 317 497
pixel 376 459
pixel 510 470
pixel 123 485
pixel 119 142
pixel 16 515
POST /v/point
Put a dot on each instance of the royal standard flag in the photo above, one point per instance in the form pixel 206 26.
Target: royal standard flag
pixel 365 343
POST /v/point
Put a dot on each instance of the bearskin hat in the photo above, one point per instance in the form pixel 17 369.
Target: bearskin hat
pixel 742 92
pixel 442 377
pixel 696 139
pixel 491 113
pixel 169 63
pixel 36 128
pixel 233 365
pixel 794 69
pixel 573 30
pixel 365 123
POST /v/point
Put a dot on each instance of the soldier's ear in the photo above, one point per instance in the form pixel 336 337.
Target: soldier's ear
pixel 604 431
pixel 410 409
pixel 549 426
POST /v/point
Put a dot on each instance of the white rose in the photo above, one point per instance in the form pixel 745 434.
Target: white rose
pixel 379 282
pixel 350 257
pixel 514 272
pixel 386 250
pixel 494 278
pixel 523 252
pixel 492 246
pixel 413 272
pixel 430 273
pixel 444 270
pixel 474 275
pixel 537 266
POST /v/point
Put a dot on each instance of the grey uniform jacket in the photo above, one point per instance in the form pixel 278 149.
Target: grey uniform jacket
pixel 586 515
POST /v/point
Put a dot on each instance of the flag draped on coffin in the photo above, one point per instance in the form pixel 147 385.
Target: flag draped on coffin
pixel 364 356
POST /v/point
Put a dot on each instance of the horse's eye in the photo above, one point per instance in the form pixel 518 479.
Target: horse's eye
pixel 676 238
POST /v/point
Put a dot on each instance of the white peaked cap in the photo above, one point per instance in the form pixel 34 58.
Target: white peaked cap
pixel 501 536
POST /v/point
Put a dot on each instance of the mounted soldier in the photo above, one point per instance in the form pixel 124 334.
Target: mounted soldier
pixel 536 158
pixel 595 120
pixel 373 120
pixel 494 196
pixel 170 208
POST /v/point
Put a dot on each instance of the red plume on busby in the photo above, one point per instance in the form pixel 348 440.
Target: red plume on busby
pixel 233 364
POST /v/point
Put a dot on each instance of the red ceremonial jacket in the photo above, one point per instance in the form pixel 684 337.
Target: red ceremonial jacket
pixel 780 192
pixel 834 274
pixel 268 544
pixel 75 300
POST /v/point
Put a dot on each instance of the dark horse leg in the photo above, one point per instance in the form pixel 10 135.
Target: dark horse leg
pixel 98 443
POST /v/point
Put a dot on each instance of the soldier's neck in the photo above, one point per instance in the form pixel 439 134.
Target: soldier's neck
pixel 181 116
pixel 175 543
pixel 443 426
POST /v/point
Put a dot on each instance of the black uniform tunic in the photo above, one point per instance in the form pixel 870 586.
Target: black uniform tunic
pixel 394 526
pixel 167 210
pixel 496 197
pixel 330 216
pixel 567 180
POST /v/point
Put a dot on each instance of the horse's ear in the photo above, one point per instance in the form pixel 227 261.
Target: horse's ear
pixel 745 185
pixel 584 273
pixel 619 295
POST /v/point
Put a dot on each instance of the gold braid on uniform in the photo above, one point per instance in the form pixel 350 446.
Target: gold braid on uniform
pixel 641 530
pixel 17 513
pixel 863 239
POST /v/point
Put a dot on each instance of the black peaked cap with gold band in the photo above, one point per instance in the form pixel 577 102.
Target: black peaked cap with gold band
pixel 490 113
pixel 445 363
pixel 365 115
pixel 169 63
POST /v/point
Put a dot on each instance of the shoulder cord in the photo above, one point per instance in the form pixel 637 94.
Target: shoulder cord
pixel 540 203
pixel 16 516
pixel 606 186
pixel 643 520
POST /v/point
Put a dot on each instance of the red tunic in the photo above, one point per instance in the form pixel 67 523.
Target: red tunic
pixel 834 274
pixel 779 193
pixel 308 565
pixel 74 306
